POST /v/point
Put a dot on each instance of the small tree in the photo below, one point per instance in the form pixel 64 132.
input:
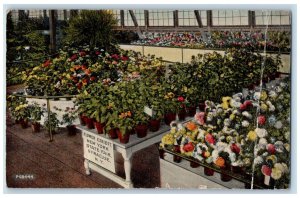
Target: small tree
pixel 93 27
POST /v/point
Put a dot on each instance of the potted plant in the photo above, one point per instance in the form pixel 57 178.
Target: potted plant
pixel 22 114
pixel 124 126
pixel 36 113
pixel 68 119
pixel 141 123
pixel 111 125
pixel 52 122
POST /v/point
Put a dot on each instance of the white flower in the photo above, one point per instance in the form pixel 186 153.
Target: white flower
pixel 278 89
pixel 236 112
pixel 209 160
pixel 278 125
pixel 234 103
pixel 245 123
pixel 201 134
pixel 227 122
pixel 256 96
pixel 272 108
pixel 261 132
pixel 232 156
pixel 287 147
pixel 272 94
pixel 262 141
pixel 215 155
pixel 221 146
pixel 247 114
pixel 279 146
pixel 258 160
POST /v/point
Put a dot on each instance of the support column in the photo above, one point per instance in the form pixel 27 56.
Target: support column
pixel 52 26
pixel 127 168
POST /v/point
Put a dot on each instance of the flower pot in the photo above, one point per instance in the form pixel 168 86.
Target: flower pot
pixel 36 127
pixel 224 176
pixel 71 130
pixel 82 119
pixel 181 114
pixel 89 123
pixel 24 123
pixel 123 138
pixel 194 164
pixel 154 125
pixel 251 87
pixel 248 177
pixel 161 154
pixel 176 158
pixel 277 74
pixel 112 134
pixel 208 171
pixel 191 111
pixel 201 106
pixel 99 126
pixel 169 117
pixel 132 132
pixel 237 169
pixel 141 130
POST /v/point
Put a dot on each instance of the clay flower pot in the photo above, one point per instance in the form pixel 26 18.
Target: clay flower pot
pixel 224 176
pixel 99 126
pixel 123 138
pixel 201 106
pixel 82 119
pixel 36 127
pixel 24 123
pixel 194 164
pixel 176 158
pixel 71 130
pixel 169 117
pixel 181 114
pixel 191 111
pixel 89 123
pixel 208 171
pixel 112 134
pixel 154 125
pixel 141 130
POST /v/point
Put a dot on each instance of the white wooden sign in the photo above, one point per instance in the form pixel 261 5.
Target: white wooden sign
pixel 98 150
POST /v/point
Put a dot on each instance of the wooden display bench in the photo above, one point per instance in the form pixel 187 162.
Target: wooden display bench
pixel 93 140
pixel 182 175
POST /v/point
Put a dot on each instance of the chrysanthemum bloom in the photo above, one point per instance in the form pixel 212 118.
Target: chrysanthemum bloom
pixel 252 136
pixel 220 162
pixel 276 173
pixel 261 132
pixel 266 170
pixel 263 95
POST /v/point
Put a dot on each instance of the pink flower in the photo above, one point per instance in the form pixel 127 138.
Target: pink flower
pixel 115 56
pixel 180 99
pixel 124 58
pixel 209 138
pixel 200 118
pixel 266 170
pixel 271 148
pixel 97 53
pixel 261 120
pixel 82 53
pixel 74 57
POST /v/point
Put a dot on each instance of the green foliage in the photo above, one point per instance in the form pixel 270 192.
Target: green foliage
pixel 36 112
pixel 91 27
pixel 51 123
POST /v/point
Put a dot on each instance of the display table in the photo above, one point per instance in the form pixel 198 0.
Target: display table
pixel 181 175
pixel 135 144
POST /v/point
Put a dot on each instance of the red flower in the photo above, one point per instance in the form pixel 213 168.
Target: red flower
pixel 82 53
pixel 97 53
pixel 188 147
pixel 87 71
pixel 115 56
pixel 83 67
pixel 243 107
pixel 180 99
pixel 266 170
pixel 93 78
pixel 248 103
pixel 271 148
pixel 209 138
pixel 261 120
pixel 124 58
pixel 234 148
pixel 47 63
pixel 74 57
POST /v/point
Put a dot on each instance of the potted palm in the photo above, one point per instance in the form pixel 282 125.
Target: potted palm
pixel 36 113
pixel 68 119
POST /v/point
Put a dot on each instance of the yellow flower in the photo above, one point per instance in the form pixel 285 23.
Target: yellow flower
pixel 252 136
pixel 264 107
pixel 226 101
pixel 168 139
pixel 232 116
pixel 273 158
pixel 263 95
pixel 276 173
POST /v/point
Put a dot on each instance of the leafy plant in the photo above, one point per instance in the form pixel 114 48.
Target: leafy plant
pixel 36 112
pixel 52 123
pixel 69 116
pixel 93 27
